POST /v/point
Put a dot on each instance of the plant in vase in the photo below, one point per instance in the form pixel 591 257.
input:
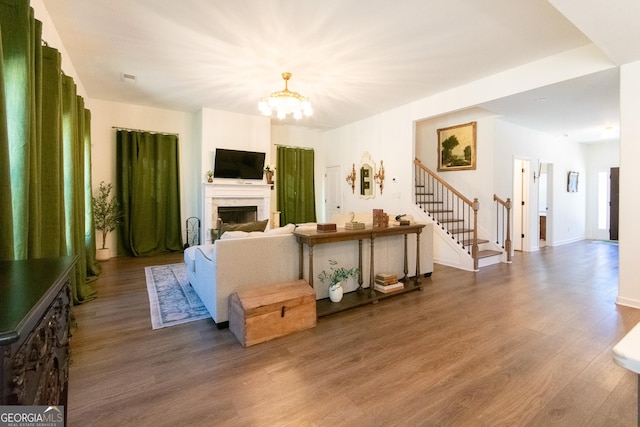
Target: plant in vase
pixel 334 277
pixel 106 216
pixel 269 170
pixel 209 175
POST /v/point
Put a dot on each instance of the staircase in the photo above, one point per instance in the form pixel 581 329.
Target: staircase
pixel 456 218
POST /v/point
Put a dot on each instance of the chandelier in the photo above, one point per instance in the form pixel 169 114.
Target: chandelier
pixel 285 102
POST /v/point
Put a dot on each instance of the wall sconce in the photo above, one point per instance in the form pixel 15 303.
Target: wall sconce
pixel 379 176
pixel 534 173
pixel 351 178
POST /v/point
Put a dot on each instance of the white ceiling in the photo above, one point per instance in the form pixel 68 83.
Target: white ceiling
pixel 353 58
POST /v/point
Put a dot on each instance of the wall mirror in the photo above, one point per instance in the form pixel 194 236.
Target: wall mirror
pixel 367 180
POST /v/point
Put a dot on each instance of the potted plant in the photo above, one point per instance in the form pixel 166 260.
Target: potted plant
pixel 334 277
pixel 106 215
pixel 209 175
pixel 269 170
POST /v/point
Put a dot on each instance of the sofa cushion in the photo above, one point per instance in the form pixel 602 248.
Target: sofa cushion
pixel 287 229
pixel 229 235
pixel 247 226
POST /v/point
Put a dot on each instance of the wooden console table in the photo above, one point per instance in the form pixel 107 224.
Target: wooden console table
pixel 35 299
pixel 353 299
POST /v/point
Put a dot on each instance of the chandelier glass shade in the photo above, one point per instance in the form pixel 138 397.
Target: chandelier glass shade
pixel 285 102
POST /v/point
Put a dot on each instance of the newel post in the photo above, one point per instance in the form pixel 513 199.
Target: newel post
pixel 507 242
pixel 474 248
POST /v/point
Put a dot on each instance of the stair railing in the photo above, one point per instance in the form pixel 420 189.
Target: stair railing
pixel 503 224
pixel 450 209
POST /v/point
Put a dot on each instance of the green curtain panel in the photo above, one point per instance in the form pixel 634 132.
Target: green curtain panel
pixel 149 192
pixel 295 185
pixel 89 228
pixel 6 211
pixel 42 149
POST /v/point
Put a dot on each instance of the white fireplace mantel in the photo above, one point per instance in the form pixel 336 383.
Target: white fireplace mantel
pixel 232 194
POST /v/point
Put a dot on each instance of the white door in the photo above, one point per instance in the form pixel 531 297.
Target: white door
pixel 333 191
pixel 521 208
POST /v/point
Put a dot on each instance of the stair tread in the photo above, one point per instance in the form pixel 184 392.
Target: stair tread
pixel 441 210
pixel 469 242
pixel 487 254
pixel 429 202
pixel 460 230
pixel 450 220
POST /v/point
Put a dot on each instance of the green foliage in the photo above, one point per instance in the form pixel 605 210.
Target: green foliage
pixel 337 274
pixel 106 211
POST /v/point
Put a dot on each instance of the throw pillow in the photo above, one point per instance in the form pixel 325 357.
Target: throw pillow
pixel 247 226
pixel 287 229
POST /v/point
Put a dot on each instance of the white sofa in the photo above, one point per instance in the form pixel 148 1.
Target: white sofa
pixel 240 261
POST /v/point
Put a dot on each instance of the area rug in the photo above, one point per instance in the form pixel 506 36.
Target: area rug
pixel 172 300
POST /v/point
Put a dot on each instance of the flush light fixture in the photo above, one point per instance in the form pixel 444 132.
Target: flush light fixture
pixel 285 102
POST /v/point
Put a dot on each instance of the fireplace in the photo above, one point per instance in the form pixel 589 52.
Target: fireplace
pixel 237 214
pixel 233 198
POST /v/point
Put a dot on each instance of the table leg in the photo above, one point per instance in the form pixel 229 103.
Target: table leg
pixel 360 288
pixel 418 281
pixel 311 265
pixel 372 292
pixel 406 262
pixel 300 260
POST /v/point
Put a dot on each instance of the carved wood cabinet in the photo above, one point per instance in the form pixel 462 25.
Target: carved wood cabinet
pixel 35 299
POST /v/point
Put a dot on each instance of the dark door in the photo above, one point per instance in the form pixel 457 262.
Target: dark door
pixel 614 191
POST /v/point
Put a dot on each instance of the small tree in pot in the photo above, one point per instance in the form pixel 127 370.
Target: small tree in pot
pixel 106 215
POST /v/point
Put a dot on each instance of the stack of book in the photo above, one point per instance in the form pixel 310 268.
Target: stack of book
pixel 354 226
pixel 387 282
pixel 380 219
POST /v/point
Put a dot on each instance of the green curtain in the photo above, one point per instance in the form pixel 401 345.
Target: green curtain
pixel 6 211
pixel 149 192
pixel 295 185
pixel 89 228
pixel 40 164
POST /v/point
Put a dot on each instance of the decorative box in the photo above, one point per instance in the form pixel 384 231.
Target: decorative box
pixel 326 227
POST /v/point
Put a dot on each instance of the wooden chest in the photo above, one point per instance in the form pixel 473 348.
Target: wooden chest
pixel 259 315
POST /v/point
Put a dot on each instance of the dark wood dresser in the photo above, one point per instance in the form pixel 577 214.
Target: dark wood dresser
pixel 35 299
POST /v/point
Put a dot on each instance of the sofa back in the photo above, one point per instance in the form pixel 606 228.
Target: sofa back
pixel 252 262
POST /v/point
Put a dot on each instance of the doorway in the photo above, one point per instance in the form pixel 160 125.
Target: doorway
pixel 614 202
pixel 521 208
pixel 332 191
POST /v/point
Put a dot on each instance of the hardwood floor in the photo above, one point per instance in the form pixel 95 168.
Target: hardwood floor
pixel 521 344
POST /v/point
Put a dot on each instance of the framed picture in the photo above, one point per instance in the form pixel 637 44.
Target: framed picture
pixel 457 147
pixel 572 182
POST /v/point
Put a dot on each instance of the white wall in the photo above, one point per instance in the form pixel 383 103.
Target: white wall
pixel 299 136
pixel 387 137
pixel 567 210
pixel 629 289
pixel 478 183
pixel 105 115
pixel 601 157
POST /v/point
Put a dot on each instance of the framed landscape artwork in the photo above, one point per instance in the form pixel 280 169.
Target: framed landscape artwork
pixel 457 147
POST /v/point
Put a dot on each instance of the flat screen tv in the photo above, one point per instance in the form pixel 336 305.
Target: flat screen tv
pixel 238 164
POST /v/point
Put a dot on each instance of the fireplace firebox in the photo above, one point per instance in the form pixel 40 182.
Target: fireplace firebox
pixel 237 214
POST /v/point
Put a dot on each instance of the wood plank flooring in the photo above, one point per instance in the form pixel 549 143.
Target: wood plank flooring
pixel 526 344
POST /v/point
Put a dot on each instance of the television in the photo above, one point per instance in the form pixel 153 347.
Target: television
pixel 238 164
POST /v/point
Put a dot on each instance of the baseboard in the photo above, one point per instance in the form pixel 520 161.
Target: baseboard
pixel 628 302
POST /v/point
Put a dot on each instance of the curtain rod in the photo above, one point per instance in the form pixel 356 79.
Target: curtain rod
pixel 142 130
pixel 293 146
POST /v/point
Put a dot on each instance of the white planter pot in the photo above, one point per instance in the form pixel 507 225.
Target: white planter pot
pixel 103 254
pixel 336 292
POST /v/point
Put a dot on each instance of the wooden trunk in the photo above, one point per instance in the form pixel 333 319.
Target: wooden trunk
pixel 259 315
